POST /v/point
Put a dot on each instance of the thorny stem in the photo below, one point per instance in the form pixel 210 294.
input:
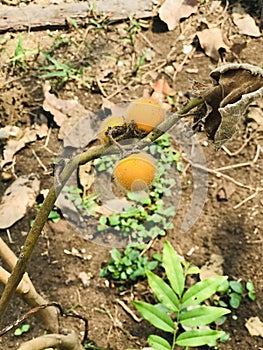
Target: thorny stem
pixel 42 216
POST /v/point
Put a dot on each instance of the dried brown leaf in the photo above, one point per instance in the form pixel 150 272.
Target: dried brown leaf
pixel 246 24
pixel 213 267
pixel 235 87
pixel 17 198
pixel 66 113
pixel 18 142
pixel 211 40
pixel 255 327
pixel 172 11
pixel 86 176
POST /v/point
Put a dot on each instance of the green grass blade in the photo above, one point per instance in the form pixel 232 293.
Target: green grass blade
pixel 173 268
pixel 202 290
pixel 163 292
pixel 155 316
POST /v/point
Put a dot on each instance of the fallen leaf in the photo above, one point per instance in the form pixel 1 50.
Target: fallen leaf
pixel 85 278
pixel 246 24
pixel 111 108
pixel 18 141
pixel 213 267
pixel 17 198
pixel 172 11
pixel 236 86
pixel 255 327
pixel 86 176
pixel 41 126
pixel 67 113
pixel 112 206
pixel 225 191
pixel 162 87
pixel 211 40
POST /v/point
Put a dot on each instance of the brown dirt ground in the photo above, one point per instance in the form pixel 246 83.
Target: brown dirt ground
pixel 236 234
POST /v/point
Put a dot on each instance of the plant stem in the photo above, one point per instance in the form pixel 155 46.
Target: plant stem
pixel 55 190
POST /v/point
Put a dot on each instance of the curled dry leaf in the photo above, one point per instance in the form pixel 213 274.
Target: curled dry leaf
pixel 16 140
pixel 235 87
pixel 17 198
pixel 86 176
pixel 212 41
pixel 172 11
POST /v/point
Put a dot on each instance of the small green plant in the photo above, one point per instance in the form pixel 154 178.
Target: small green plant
pixel 54 216
pixel 129 265
pixel 63 72
pixel 23 329
pixel 232 292
pixel 20 54
pixel 85 204
pixel 181 311
pixel 133 28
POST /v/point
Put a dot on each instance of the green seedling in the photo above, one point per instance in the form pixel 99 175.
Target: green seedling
pixel 128 265
pixel 139 63
pixel 232 293
pixel 133 28
pixel 54 216
pixel 23 329
pixel 85 204
pixel 63 72
pixel 183 312
pixel 20 54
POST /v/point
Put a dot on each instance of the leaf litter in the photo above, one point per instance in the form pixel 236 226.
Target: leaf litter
pixel 245 23
pixel 17 198
pixel 172 11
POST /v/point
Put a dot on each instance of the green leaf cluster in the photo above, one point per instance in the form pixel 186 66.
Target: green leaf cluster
pixel 23 329
pixel 182 306
pixel 129 265
pixel 232 292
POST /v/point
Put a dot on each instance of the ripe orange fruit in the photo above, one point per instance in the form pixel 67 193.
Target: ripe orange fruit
pixel 111 121
pixel 135 172
pixel 147 113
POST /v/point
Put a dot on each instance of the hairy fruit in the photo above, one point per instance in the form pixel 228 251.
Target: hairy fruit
pixel 135 172
pixel 110 122
pixel 147 113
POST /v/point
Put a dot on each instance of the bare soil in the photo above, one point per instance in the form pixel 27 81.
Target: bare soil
pixel 236 234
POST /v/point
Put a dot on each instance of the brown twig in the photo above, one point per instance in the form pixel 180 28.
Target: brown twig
pixel 248 198
pixel 129 311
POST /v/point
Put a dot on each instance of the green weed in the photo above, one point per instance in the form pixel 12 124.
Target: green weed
pixel 183 312
pixel 129 265
pixel 22 329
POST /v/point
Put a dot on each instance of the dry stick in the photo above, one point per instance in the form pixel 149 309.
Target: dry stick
pixel 55 190
pixel 67 342
pixel 27 290
pixel 248 198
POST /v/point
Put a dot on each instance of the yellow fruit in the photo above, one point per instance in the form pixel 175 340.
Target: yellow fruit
pixel 135 172
pixel 111 121
pixel 147 113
